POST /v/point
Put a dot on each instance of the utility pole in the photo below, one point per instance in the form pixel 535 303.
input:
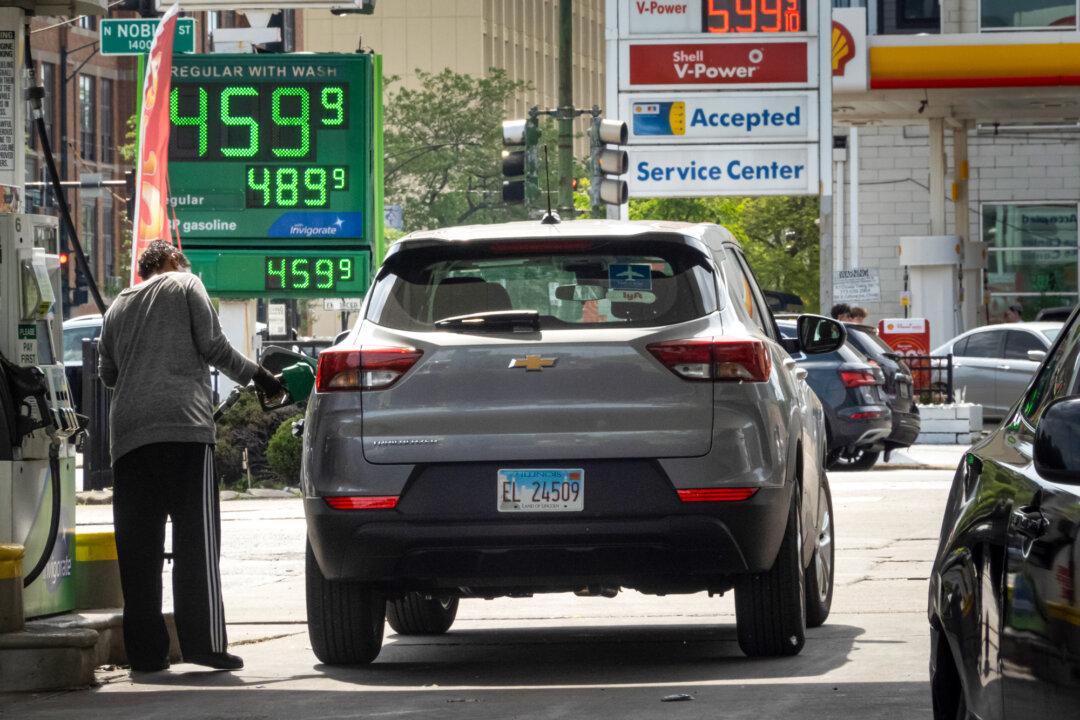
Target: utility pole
pixel 566 109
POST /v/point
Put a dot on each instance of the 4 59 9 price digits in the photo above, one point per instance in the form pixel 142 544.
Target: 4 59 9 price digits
pixel 292 186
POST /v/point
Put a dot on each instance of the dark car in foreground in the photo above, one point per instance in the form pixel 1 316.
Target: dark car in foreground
pixel 857 415
pixel 1005 586
pixel 572 407
pixel 898 387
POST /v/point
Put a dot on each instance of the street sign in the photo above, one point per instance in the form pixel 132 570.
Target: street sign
pixel 271 171
pixel 701 170
pixel 133 37
pixel 749 117
pixel 275 319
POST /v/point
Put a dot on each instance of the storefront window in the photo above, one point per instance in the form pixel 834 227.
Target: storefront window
pixel 1033 257
pixel 1028 14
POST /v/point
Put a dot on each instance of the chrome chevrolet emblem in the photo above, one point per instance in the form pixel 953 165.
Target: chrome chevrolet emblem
pixel 532 362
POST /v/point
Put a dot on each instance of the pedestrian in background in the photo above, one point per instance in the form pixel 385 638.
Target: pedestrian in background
pixel 857 315
pixel 841 312
pixel 158 341
pixel 1014 313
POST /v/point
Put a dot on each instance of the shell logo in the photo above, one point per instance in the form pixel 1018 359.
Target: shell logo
pixel 843 48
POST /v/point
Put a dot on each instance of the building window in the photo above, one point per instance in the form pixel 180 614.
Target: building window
pixel 48 82
pixel 87 22
pixel 1033 256
pixel 902 16
pixel 108 152
pixel 88 233
pixel 1027 14
pixel 87 118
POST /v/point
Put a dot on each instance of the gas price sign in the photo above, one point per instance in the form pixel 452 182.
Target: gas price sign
pixel 753 16
pixel 275 154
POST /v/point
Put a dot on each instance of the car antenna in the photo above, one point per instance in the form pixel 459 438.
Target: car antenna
pixel 550 218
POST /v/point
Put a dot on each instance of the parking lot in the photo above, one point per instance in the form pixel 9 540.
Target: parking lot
pixel 560 656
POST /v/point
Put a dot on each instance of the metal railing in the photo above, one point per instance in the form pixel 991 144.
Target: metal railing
pixel 932 378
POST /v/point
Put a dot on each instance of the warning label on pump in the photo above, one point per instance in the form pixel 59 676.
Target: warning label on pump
pixel 28 345
pixel 7 100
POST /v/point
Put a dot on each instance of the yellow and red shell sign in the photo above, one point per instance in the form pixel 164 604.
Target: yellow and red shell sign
pixel 934 62
pixel 843 48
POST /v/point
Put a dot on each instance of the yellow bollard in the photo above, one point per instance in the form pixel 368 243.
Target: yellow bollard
pixel 11 577
pixel 97 574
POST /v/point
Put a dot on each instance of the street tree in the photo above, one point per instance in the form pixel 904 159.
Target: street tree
pixel 443 148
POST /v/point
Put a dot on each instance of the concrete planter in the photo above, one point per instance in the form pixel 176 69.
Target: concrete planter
pixel 956 424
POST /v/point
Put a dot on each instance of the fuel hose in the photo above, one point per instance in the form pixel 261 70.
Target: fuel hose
pixel 54 519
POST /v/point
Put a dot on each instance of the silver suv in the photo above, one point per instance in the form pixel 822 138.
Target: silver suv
pixel 584 406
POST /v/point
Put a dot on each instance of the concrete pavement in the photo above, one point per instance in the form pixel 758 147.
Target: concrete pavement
pixel 559 656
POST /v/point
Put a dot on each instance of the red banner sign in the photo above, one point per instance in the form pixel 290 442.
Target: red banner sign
pixel 726 63
pixel 151 183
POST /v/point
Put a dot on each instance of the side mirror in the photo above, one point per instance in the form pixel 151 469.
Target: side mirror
pixel 1036 355
pixel 819 334
pixel 1057 441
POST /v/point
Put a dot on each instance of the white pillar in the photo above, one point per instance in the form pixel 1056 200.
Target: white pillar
pixel 853 198
pixel 937 176
pixel 838 216
pixel 238 323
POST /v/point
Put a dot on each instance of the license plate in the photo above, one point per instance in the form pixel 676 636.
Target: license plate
pixel 541 490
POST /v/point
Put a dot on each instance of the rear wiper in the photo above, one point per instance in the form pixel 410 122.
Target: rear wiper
pixel 494 321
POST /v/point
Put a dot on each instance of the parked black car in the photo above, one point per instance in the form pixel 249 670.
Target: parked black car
pixel 899 386
pixel 1005 587
pixel 851 390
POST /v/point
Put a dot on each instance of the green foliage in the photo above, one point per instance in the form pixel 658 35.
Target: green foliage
pixel 283 452
pixel 131 137
pixel 780 235
pixel 443 145
pixel 245 425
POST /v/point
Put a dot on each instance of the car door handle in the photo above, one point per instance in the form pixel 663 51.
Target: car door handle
pixel 1029 523
pixel 1004 367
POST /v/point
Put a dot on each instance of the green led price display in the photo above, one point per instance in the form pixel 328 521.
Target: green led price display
pixel 275 173
pixel 245 122
pixel 293 186
pixel 304 274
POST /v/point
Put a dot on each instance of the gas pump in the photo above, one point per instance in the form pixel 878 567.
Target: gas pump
pixel 38 423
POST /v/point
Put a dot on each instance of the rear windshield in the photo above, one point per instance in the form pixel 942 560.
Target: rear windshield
pixel 570 284
pixel 869 343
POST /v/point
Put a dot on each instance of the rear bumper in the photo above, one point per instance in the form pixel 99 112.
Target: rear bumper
pixel 845 432
pixel 684 545
pixel 905 429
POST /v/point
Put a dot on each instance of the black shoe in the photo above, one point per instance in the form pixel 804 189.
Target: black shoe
pixel 149 667
pixel 218 660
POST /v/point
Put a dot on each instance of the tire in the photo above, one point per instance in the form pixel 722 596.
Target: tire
pixel 861 460
pixel 345 619
pixel 820 574
pixel 416 614
pixel 770 609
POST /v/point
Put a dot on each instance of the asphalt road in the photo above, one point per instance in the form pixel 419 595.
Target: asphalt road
pixel 560 656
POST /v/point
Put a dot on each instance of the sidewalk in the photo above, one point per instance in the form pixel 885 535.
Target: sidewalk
pixel 924 457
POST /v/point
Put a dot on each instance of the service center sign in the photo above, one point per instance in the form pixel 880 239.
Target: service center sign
pixel 699 170
pixel 746 117
pixel 757 64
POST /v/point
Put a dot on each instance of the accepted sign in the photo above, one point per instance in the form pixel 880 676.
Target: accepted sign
pixel 133 37
pixel 704 117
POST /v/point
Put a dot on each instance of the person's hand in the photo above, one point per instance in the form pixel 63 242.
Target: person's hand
pixel 269 385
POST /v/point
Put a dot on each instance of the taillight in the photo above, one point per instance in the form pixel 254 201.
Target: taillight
pixel 363 502
pixel 857 378
pixel 369 368
pixel 716 360
pixel 866 415
pixel 716 494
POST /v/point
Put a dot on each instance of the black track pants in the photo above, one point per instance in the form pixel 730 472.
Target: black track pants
pixel 152 483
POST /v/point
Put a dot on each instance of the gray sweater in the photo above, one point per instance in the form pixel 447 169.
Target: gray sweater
pixel 158 340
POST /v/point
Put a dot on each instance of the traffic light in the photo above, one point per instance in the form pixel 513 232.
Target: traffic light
pixel 145 8
pixel 129 187
pixel 607 161
pixel 519 160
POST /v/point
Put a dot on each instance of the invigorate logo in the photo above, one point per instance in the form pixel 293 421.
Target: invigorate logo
pixel 696 64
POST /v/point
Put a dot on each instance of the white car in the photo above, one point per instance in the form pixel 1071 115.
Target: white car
pixel 994 364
